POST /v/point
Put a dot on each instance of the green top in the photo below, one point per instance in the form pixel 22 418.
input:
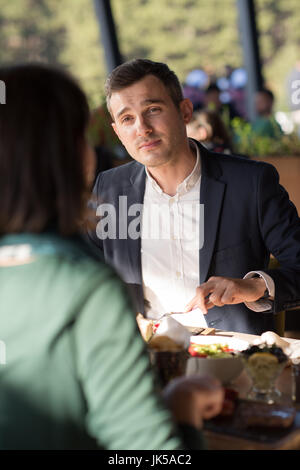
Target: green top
pixel 267 127
pixel 76 372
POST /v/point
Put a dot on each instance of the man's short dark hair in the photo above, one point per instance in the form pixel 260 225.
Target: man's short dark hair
pixel 134 70
pixel 42 129
pixel 267 92
pixel 212 88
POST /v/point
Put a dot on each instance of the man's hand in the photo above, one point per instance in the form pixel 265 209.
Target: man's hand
pixel 193 399
pixel 219 291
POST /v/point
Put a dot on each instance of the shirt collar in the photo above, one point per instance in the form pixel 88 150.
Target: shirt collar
pixel 189 182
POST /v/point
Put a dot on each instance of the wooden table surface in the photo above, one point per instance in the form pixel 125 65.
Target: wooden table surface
pixel 227 437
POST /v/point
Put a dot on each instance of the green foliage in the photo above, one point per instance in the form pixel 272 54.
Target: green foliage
pixel 37 36
pixel 278 24
pixel 187 34
pixel 56 32
pixel 247 142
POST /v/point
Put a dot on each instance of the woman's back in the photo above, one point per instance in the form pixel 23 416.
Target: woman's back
pixel 66 373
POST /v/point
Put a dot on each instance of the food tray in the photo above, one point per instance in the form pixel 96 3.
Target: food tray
pixel 226 432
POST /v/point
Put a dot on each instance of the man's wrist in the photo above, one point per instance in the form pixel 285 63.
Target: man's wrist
pixel 262 289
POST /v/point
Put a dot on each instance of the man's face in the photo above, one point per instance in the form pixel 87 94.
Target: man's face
pixel 212 100
pixel 263 104
pixel 148 123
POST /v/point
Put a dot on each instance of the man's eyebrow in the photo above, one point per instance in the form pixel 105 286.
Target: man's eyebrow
pixel 144 102
pixel 122 111
pixel 153 100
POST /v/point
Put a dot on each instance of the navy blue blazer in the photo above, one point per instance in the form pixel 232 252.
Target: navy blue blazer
pixel 247 216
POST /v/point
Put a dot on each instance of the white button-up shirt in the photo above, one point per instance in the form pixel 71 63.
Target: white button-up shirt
pixel 170 245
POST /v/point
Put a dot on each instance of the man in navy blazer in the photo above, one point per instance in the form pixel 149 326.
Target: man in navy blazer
pixel 247 213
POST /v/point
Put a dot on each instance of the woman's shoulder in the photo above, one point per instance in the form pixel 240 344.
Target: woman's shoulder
pixel 62 259
pixel 75 256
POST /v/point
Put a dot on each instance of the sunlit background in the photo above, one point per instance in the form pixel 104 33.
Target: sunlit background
pixel 187 34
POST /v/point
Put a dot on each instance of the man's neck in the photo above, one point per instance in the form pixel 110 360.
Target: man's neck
pixel 170 175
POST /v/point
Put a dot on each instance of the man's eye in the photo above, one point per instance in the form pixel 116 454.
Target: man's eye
pixel 154 109
pixel 126 119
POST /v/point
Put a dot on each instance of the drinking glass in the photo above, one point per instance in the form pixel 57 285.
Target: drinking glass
pixel 264 373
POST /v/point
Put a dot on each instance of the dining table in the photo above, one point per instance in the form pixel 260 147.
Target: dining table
pixel 223 433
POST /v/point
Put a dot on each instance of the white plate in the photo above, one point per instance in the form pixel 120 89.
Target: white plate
pixel 233 343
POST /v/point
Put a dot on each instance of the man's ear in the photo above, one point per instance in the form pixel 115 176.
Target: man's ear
pixel 186 108
pixel 113 125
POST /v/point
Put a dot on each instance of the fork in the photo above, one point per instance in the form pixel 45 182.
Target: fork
pixel 177 313
pixel 169 314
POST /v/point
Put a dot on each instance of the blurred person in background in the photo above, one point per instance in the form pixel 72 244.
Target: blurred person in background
pixel 77 371
pixel 208 128
pixel 194 87
pixel 237 91
pixel 265 124
pixel 213 102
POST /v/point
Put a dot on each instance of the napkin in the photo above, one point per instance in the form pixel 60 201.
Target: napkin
pixel 194 318
pixel 174 330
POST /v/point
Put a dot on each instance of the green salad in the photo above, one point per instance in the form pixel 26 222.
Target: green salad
pixel 210 350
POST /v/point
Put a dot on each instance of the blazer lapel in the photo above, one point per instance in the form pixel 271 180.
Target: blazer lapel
pixel 135 198
pixel 211 197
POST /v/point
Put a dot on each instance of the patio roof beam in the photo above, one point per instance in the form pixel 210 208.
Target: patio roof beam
pixel 108 34
pixel 249 36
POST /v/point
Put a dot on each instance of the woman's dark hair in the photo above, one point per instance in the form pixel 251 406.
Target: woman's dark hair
pixel 134 70
pixel 42 129
pixel 214 124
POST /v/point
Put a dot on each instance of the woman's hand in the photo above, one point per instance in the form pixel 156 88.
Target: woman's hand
pixel 193 399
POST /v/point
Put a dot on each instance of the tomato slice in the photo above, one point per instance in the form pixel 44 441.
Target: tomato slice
pixel 195 353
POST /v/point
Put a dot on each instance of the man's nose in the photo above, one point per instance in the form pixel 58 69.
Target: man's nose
pixel 143 126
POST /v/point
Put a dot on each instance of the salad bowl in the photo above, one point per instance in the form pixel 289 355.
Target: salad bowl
pixel 218 356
